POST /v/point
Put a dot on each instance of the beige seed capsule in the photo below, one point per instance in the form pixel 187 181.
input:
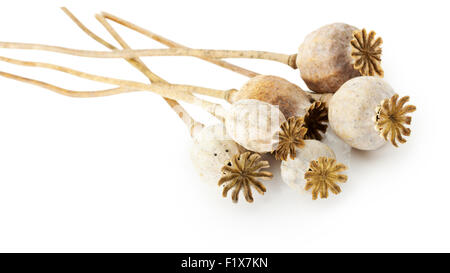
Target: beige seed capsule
pixel 365 112
pixel 314 167
pixel 324 58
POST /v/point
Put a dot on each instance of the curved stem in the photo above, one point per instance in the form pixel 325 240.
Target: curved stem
pixel 190 122
pixel 138 85
pixel 173 93
pixel 127 53
pixel 136 62
pixel 173 44
pixel 67 92
pixel 87 30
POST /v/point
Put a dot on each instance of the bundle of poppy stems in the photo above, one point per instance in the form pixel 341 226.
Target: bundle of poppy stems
pixel 268 116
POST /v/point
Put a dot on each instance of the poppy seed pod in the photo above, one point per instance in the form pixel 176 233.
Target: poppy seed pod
pixel 314 166
pixel 364 113
pixel 291 100
pixel 324 58
pixel 253 124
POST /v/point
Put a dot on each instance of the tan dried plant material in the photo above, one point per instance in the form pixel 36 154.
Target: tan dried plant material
pixel 323 175
pixel 314 120
pixel 241 173
pixel 391 119
pixel 324 57
pixel 263 142
pixel 335 37
pixel 290 136
pixel 366 51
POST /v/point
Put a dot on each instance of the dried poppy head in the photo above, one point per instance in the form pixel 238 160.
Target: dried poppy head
pixel 365 113
pixel 314 167
pixel 326 60
pixel 291 100
pixel 253 123
pixel 261 127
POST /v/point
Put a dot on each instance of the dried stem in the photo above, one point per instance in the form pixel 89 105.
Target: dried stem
pixel 67 92
pixel 134 61
pixel 127 53
pixel 161 39
pixel 132 84
pixel 173 44
pixel 172 91
pixel 191 124
pixel 194 89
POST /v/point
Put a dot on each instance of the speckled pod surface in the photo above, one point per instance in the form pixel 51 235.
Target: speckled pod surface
pixel 290 98
pixel 212 148
pixel 324 58
pixel 352 111
pixel 293 170
pixel 253 124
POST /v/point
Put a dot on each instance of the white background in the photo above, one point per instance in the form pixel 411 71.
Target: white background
pixel 114 174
